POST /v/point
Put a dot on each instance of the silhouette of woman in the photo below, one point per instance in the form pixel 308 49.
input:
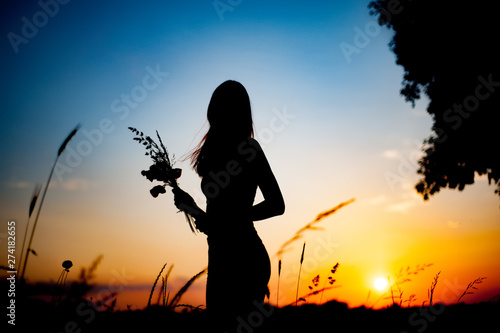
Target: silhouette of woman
pixel 232 165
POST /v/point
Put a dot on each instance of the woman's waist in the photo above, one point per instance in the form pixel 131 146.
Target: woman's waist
pixel 229 212
pixel 224 224
pixel 229 222
pixel 238 233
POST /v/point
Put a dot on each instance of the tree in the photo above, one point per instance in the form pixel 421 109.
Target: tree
pixel 449 51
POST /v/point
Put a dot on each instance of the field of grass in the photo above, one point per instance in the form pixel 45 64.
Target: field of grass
pixel 74 311
pixel 82 316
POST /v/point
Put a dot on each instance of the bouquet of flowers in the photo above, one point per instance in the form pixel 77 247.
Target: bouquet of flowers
pixel 162 168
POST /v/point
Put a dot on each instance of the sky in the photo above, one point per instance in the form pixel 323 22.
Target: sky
pixel 324 89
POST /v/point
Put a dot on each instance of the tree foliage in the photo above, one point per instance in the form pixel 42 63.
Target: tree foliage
pixel 449 51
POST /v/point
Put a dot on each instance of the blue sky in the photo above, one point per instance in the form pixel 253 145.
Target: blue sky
pixel 88 55
pixel 332 128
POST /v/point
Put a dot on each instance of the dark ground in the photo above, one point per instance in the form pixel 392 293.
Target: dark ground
pixel 81 316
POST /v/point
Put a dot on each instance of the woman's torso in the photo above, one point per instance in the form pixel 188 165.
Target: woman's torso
pixel 230 187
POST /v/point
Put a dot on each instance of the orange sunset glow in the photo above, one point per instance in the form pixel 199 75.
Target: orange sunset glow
pixel 356 236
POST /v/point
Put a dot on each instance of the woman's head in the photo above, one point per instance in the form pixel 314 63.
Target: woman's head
pixel 229 111
pixel 230 118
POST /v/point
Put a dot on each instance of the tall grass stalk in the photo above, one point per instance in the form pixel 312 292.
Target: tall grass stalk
pixel 163 293
pixel 59 152
pixel 300 269
pixel 313 293
pixel 330 280
pixel 433 286
pixel 310 226
pixel 392 292
pixel 175 300
pixel 164 296
pixel 404 276
pixel 471 286
pixel 34 198
pixel 279 278
pixel 154 285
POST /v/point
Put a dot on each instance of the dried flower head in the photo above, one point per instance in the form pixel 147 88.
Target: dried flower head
pixel 162 168
pixel 67 264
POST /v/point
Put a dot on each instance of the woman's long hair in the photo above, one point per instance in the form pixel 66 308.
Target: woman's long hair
pixel 230 118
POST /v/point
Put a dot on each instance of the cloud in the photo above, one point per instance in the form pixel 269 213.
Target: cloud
pixel 377 200
pixel 75 184
pixel 452 224
pixel 391 153
pixel 401 207
pixel 20 185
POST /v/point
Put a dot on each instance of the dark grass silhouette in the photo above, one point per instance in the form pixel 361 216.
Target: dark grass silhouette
pixel 82 315
pixel 33 203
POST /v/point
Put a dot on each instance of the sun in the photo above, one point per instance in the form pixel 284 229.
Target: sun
pixel 380 283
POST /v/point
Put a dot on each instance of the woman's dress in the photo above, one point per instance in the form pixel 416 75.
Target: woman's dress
pixel 238 263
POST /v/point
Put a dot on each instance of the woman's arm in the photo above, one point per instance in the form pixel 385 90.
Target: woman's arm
pixel 183 201
pixel 273 203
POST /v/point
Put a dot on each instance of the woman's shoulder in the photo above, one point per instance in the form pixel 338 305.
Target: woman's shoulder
pixel 250 144
pixel 251 151
pixel 254 143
